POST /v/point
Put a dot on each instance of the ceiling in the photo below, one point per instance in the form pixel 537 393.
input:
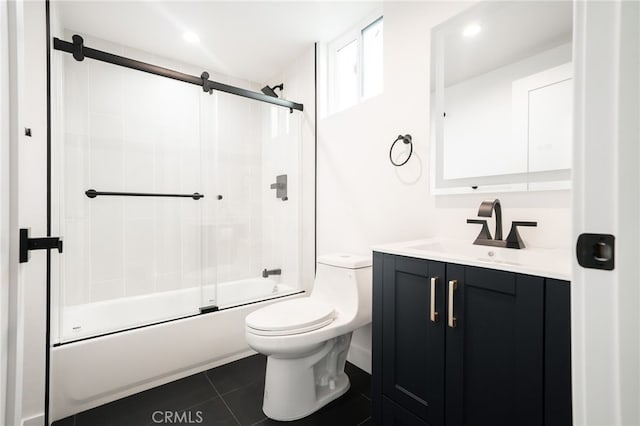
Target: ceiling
pixel 251 40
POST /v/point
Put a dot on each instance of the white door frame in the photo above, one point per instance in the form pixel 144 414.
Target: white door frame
pixel 27 189
pixel 4 206
pixel 606 200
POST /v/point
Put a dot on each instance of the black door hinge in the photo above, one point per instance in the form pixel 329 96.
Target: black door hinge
pixel 27 244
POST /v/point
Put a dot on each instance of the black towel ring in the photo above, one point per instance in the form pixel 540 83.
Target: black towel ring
pixel 407 140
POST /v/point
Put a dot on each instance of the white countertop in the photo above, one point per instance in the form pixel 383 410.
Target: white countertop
pixel 549 263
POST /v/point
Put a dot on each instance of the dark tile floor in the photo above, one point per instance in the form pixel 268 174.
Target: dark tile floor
pixel 228 395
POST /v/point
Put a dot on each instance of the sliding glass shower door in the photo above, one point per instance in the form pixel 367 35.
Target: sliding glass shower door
pixel 133 254
pixel 172 201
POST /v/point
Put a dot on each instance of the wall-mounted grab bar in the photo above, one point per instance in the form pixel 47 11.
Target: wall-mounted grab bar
pixel 92 193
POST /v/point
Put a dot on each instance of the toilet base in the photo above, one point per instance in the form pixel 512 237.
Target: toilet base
pixel 296 388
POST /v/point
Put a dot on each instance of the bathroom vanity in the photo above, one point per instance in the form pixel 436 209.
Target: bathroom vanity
pixel 466 334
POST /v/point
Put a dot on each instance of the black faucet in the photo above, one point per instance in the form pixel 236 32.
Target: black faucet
pixel 266 272
pixel 487 207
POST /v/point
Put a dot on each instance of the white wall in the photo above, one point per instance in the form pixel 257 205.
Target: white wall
pixel 363 200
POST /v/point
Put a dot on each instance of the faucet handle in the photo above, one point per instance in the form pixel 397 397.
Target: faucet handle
pixel 484 232
pixel 513 239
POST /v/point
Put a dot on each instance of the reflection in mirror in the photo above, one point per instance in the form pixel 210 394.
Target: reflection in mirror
pixel 502 90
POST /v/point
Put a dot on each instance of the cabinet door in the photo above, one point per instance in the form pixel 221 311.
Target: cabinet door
pixel 494 356
pixel 412 343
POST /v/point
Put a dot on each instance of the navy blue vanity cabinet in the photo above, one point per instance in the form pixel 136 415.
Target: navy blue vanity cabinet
pixel 408 342
pixel 495 347
pixel 498 352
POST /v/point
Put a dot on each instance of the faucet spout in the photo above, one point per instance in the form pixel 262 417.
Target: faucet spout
pixel 486 209
pixel 266 272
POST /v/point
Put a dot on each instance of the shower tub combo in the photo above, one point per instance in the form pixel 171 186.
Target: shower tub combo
pixel 170 199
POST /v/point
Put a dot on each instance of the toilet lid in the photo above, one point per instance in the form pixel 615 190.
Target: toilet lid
pixel 290 317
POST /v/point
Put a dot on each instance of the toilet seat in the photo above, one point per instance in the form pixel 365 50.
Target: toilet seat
pixel 290 317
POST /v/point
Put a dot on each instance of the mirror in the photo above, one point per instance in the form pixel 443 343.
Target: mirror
pixel 501 90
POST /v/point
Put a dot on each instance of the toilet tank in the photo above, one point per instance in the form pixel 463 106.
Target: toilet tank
pixel 344 281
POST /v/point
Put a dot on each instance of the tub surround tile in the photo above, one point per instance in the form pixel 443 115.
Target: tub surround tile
pixel 227 395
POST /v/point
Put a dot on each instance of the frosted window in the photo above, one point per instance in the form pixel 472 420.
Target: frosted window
pixel 347 75
pixel 372 59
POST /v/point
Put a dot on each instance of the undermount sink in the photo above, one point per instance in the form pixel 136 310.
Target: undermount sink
pixel 552 263
pixel 488 254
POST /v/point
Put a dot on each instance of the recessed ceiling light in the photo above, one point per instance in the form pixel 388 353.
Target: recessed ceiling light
pixel 471 30
pixel 190 37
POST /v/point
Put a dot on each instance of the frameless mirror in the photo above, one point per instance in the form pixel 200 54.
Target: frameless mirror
pixel 501 86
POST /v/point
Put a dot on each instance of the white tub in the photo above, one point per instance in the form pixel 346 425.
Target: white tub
pixel 92 372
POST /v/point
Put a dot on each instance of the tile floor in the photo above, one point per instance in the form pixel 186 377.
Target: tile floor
pixel 227 395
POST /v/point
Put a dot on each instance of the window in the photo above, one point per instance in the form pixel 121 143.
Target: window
pixel 372 59
pixel 355 65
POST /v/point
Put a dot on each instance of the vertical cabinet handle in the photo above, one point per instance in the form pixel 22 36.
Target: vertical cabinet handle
pixel 453 285
pixel 433 315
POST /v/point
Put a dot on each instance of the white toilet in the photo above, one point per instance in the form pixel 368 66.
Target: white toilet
pixel 307 339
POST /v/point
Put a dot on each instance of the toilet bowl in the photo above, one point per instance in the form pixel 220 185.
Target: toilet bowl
pixel 306 340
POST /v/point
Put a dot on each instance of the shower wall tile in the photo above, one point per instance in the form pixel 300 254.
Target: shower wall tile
pixel 76 277
pixel 167 169
pixel 191 243
pixel 105 87
pixel 168 282
pixel 139 167
pixel 107 239
pixel 76 97
pixel 107 152
pixel 140 208
pixel 138 124
pixel 107 290
pixel 168 238
pixel 105 125
pixel 139 268
pixel 76 152
pixel 190 172
pixel 107 165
